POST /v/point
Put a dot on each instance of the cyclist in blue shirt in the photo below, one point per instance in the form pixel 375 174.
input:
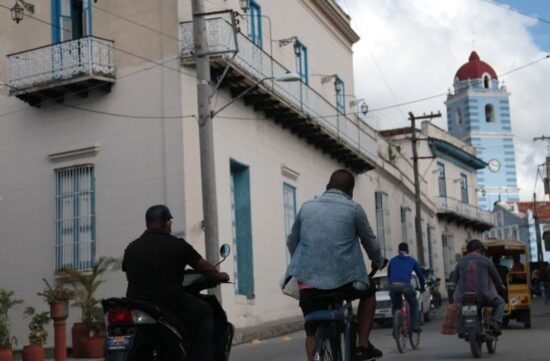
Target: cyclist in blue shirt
pixel 400 271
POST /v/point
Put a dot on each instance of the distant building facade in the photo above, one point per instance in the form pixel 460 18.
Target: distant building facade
pixel 515 221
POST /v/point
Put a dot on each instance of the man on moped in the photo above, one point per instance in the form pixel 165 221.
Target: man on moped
pixel 400 271
pixel 476 273
pixel 326 256
pixel 155 264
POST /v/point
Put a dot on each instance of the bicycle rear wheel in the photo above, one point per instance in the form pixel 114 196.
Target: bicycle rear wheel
pixel 327 343
pixel 414 340
pixel 398 331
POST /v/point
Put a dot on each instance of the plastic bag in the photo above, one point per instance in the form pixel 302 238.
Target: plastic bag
pixel 289 286
pixel 449 324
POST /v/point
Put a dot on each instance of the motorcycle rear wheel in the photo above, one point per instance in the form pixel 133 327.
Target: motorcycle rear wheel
pixel 491 346
pixel 475 344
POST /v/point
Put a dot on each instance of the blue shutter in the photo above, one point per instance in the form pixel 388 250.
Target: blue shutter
pixel 340 95
pixel 255 23
pixel 242 229
pixel 301 62
pixel 289 207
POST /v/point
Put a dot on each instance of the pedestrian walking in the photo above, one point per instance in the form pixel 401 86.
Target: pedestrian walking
pixel 544 280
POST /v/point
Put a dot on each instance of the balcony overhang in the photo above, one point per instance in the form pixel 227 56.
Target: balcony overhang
pixel 72 67
pixel 294 106
pixel 276 108
pixel 462 220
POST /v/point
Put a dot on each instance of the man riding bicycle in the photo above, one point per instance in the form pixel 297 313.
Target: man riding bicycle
pixel 400 271
pixel 326 256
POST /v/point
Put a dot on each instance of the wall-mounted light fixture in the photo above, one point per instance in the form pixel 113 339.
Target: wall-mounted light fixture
pixel 17 11
pixel 244 4
pixel 287 41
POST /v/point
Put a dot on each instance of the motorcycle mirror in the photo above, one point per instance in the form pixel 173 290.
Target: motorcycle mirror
pixel 225 250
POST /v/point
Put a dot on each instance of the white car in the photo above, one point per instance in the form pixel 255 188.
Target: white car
pixel 383 303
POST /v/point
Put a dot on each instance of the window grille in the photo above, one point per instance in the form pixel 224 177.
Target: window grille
pixel 75 217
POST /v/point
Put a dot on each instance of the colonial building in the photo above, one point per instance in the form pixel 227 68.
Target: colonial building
pixel 478 113
pixel 448 166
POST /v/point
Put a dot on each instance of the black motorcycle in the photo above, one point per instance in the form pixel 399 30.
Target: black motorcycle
pixel 138 330
pixel 476 325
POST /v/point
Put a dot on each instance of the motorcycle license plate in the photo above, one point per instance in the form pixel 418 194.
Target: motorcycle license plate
pixel 469 310
pixel 114 343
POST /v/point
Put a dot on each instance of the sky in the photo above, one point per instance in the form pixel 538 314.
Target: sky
pixel 411 49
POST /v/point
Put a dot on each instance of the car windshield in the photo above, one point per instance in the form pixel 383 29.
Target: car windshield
pixel 381 283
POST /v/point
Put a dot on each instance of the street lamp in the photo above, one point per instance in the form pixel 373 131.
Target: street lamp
pixel 288 77
pixel 244 4
pixel 17 11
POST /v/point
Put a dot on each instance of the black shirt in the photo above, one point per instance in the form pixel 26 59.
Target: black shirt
pixel 154 265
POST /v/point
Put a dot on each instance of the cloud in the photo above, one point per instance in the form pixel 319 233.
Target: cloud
pixel 416 47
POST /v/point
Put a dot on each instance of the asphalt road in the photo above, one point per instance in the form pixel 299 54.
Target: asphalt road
pixel 516 343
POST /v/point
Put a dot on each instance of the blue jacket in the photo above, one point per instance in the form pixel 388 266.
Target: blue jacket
pixel 401 267
pixel 324 242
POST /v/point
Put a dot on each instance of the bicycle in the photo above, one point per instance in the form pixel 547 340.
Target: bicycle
pixel 402 328
pixel 336 321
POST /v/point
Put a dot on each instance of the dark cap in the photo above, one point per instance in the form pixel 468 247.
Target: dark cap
pixel 157 213
pixel 475 244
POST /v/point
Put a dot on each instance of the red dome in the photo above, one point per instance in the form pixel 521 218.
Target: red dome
pixel 474 69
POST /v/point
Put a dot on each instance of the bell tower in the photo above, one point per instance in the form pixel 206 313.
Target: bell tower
pixel 478 112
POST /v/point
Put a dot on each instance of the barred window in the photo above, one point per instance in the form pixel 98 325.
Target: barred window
pixel 75 234
pixel 382 220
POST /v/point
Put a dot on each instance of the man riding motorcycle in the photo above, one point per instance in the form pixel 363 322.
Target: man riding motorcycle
pixel 154 265
pixel 476 273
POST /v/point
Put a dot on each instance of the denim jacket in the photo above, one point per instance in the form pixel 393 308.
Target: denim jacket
pixel 324 242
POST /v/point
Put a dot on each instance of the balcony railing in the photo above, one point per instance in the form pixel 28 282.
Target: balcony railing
pixel 465 211
pixel 258 65
pixel 46 67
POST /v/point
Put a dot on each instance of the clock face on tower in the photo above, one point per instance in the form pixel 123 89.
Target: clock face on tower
pixel 494 165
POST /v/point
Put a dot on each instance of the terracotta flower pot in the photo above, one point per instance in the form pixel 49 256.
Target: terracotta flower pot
pixel 94 346
pixel 33 353
pixel 6 354
pixel 80 332
pixel 59 311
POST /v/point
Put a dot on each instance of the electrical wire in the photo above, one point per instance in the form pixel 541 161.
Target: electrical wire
pixel 118 115
pixel 91 87
pixel 156 64
pixel 397 105
pixel 509 8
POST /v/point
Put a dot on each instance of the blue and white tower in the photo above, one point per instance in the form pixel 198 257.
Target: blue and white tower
pixel 479 114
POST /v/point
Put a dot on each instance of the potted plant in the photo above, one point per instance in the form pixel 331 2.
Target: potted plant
pixel 58 298
pixel 85 285
pixel 37 335
pixel 6 340
pixel 94 345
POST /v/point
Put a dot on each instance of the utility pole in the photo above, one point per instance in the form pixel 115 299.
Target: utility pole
pixel 546 180
pixel 417 194
pixel 537 228
pixel 206 137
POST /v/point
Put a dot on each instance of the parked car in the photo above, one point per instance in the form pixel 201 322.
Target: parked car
pixel 383 312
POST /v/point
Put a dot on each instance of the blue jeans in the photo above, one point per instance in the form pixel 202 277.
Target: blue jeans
pixel 498 312
pixel 398 289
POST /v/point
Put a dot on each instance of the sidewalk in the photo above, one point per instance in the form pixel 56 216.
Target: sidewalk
pixel 243 335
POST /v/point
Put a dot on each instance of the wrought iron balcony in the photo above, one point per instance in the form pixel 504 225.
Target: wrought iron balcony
pixel 293 105
pixel 74 66
pixel 464 214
